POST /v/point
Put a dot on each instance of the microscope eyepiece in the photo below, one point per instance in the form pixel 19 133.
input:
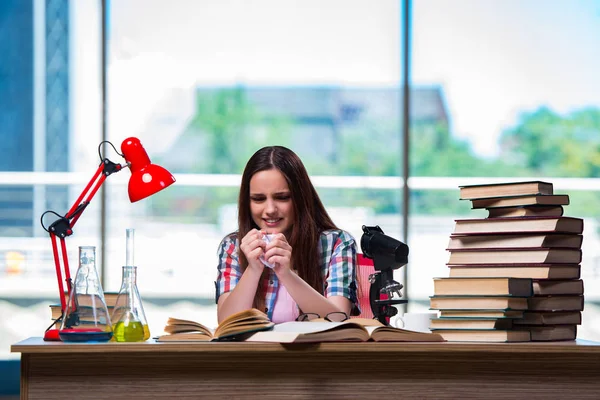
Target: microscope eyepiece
pixel 374 242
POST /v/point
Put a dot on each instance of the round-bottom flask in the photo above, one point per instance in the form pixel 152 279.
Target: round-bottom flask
pixel 128 319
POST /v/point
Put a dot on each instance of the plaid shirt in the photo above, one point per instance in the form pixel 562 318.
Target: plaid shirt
pixel 338 260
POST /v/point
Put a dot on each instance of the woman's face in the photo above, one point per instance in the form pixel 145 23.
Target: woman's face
pixel 271 204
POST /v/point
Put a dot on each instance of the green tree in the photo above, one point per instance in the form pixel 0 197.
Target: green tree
pixel 548 144
pixel 224 132
pixel 234 129
pixel 435 152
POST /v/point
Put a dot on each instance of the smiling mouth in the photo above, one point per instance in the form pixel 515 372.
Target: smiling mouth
pixel 272 221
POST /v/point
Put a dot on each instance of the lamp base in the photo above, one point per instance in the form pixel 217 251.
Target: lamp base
pixel 85 335
pixel 51 335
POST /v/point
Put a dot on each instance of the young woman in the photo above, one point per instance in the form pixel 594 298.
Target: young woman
pixel 313 262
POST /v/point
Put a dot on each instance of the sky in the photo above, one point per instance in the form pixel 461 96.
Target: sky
pixel 497 59
pixel 493 59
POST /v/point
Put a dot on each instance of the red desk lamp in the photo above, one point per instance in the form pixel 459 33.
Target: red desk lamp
pixel 146 179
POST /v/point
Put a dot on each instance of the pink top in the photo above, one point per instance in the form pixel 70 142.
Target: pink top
pixel 285 308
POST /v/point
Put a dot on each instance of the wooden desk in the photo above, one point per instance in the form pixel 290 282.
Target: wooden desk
pixel 563 370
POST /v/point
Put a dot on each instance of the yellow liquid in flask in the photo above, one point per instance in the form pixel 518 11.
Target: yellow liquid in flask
pixel 131 331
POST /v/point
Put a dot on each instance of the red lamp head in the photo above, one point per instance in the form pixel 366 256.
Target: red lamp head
pixel 146 178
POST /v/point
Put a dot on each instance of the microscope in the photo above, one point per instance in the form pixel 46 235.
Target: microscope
pixel 387 254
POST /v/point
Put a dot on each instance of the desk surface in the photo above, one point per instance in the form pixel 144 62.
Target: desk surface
pixel 37 345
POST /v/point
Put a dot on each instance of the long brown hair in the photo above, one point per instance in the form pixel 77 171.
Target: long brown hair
pixel 310 216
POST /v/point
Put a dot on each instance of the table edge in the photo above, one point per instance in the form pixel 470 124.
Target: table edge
pixel 38 346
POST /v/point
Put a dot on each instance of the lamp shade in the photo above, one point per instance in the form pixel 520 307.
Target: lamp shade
pixel 146 178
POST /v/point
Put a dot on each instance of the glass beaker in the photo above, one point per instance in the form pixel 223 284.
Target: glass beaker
pixel 128 317
pixel 86 317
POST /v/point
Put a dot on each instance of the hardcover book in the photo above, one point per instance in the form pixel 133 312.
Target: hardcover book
pixel 549 318
pixel 551 333
pixel 515 241
pixel 513 201
pixel 548 287
pixel 468 323
pixel 519 270
pixel 478 303
pixel 526 211
pixel 476 314
pixel 519 287
pixel 519 225
pixel 503 256
pixel 505 189
pixel 490 335
pixel 555 303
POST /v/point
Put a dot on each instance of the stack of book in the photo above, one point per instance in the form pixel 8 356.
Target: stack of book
pixel 515 275
pixel 109 297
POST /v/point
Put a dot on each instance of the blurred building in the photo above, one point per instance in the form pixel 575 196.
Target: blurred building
pixel 315 115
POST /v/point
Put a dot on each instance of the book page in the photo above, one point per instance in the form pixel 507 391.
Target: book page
pixel 175 325
pixel 188 328
pixel 391 334
pixel 305 327
pixel 311 332
pixel 242 323
pixel 184 337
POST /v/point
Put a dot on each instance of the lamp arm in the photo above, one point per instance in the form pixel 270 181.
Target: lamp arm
pixel 60 229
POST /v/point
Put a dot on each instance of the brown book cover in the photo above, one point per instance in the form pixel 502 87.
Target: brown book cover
pixel 555 303
pixel 481 191
pixel 525 211
pixel 514 201
pixel 548 287
pixel 519 225
pixel 470 323
pixel 511 240
pixel 503 256
pixel 482 287
pixel 533 271
pixel 549 318
pixel 550 333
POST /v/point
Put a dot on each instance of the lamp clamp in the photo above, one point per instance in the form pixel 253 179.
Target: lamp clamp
pixel 61 228
pixel 110 167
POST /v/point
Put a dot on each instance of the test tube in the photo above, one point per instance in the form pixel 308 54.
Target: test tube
pixel 129 248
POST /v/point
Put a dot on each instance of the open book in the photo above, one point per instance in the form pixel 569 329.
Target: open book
pixel 352 330
pixel 235 327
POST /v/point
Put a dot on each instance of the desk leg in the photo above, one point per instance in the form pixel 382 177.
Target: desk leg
pixel 25 376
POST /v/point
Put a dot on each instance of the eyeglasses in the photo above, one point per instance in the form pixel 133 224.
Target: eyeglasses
pixel 336 316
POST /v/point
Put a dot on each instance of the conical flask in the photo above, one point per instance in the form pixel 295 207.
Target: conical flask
pixel 86 317
pixel 128 317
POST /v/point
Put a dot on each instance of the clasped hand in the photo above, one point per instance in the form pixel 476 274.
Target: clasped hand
pixel 278 252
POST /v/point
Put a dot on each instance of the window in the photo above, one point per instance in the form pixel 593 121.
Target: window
pixel 49 113
pixel 205 85
pixel 519 99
